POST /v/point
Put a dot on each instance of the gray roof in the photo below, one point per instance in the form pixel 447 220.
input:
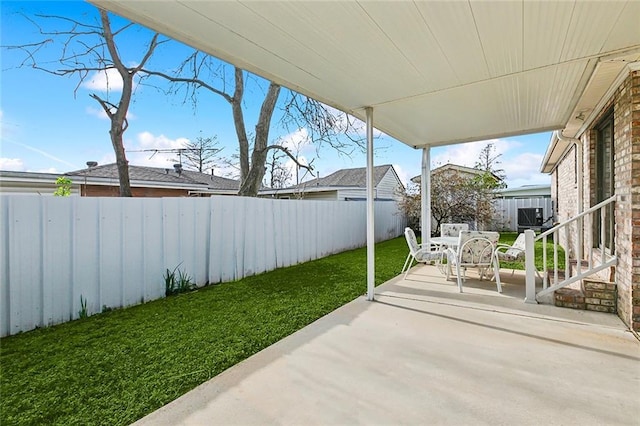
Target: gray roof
pixel 356 178
pixel 160 175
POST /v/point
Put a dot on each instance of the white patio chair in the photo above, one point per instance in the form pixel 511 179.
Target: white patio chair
pixel 419 252
pixel 452 229
pixel 511 253
pixel 476 249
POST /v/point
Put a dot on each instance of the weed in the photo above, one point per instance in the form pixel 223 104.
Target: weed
pixel 177 281
pixel 83 313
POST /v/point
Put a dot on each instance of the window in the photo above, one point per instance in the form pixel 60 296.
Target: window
pixel 604 180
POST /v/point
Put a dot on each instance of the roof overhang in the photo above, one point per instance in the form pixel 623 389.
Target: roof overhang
pixel 609 75
pixel 135 183
pixel 307 189
pixel 435 73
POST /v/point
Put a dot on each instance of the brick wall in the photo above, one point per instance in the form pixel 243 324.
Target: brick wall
pixel 633 213
pixel 600 296
pixel 567 201
pixel 627 185
pixel 626 106
pixel 114 191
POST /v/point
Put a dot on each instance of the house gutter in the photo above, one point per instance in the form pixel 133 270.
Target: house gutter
pixel 580 183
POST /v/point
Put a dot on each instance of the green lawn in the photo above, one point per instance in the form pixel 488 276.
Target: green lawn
pixel 510 237
pixel 115 367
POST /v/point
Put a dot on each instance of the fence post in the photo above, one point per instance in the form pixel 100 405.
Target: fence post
pixel 530 267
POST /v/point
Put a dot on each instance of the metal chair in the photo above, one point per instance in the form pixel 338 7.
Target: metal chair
pixel 511 253
pixel 476 249
pixel 419 252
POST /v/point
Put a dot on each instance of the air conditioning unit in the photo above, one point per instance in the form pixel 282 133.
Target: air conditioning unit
pixel 530 218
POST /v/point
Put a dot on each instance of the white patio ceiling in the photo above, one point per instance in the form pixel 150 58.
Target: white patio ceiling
pixel 435 73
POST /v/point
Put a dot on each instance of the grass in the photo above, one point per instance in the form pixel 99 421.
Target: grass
pixel 116 367
pixel 510 237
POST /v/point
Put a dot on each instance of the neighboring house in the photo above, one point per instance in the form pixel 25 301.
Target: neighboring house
pixel 455 169
pixel 603 161
pixel 102 181
pixel 345 185
pixel 464 174
pixel 31 183
pixel 526 191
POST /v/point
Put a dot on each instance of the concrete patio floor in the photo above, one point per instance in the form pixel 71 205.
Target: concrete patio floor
pixel 424 354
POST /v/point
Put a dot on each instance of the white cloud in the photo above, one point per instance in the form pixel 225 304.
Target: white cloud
pixel 105 159
pixel 104 81
pixel 404 176
pixel 303 174
pixel 142 149
pixel 230 171
pixel 467 154
pixel 297 141
pixel 48 170
pixel 524 166
pixel 147 140
pixel 13 164
pixel 521 168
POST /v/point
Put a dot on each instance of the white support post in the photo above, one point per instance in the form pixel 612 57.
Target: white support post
pixel 425 199
pixel 371 266
pixel 530 267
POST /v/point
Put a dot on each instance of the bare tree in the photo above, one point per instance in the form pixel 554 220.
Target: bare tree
pixel 410 205
pixel 279 175
pixel 99 53
pixel 325 125
pixel 488 162
pixel 201 154
pixel 91 48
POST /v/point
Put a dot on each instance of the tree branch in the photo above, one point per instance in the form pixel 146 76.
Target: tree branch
pixel 106 105
pixel 194 81
pixel 290 155
pixel 111 46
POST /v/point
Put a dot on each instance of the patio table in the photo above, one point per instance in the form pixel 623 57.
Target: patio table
pixel 444 242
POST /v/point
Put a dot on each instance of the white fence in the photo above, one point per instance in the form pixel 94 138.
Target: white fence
pixel 114 251
pixel 506 216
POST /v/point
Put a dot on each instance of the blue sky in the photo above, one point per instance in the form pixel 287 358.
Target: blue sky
pixel 45 127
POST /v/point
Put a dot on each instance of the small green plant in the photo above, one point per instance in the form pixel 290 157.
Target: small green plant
pixel 83 313
pixel 177 281
pixel 64 187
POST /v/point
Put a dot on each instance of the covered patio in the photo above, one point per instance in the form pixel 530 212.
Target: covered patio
pixel 425 354
pixel 426 73
pixel 416 351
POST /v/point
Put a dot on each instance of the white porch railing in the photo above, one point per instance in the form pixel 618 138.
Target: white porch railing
pixel 606 260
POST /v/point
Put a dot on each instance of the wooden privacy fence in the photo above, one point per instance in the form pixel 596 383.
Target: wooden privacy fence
pixel 113 252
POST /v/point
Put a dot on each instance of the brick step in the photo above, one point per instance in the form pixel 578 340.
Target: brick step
pixel 594 295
